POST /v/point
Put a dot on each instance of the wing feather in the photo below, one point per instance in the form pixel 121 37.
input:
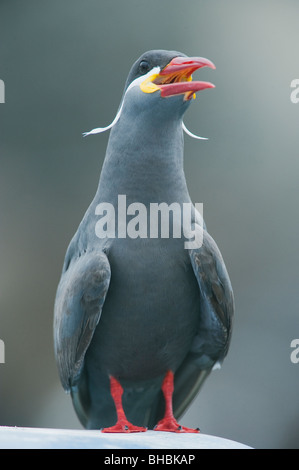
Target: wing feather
pixel 79 301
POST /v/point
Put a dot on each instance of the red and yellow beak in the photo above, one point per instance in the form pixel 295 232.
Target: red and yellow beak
pixel 176 78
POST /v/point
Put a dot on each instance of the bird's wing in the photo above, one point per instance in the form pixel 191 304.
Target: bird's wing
pixel 216 315
pixel 217 300
pixel 79 301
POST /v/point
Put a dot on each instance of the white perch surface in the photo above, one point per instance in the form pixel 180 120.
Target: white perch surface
pixel 43 438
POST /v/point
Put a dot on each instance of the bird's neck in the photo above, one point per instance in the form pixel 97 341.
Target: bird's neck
pixel 144 162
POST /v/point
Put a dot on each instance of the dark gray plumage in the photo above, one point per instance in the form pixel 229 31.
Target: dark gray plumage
pixel 134 309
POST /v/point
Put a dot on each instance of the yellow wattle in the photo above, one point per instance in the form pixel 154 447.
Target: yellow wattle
pixel 147 86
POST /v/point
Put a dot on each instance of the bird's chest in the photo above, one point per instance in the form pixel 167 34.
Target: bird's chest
pixel 151 311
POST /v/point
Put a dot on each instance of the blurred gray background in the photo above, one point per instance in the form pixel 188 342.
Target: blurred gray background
pixel 64 64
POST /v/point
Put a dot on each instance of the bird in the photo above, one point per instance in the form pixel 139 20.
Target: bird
pixel 140 321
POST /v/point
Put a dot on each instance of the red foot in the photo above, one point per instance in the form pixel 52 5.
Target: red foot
pixel 124 426
pixel 171 425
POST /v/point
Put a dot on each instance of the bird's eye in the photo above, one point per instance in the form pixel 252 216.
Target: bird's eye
pixel 144 66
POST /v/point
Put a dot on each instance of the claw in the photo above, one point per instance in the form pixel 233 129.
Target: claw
pixel 126 427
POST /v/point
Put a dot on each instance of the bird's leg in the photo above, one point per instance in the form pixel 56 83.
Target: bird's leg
pixel 122 424
pixel 169 423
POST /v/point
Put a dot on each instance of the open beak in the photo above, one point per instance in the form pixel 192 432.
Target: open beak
pixel 176 78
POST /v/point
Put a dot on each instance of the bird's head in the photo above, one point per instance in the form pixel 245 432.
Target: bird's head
pixel 161 82
pixel 168 74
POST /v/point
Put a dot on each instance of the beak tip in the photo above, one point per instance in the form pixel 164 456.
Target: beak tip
pixel 210 64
